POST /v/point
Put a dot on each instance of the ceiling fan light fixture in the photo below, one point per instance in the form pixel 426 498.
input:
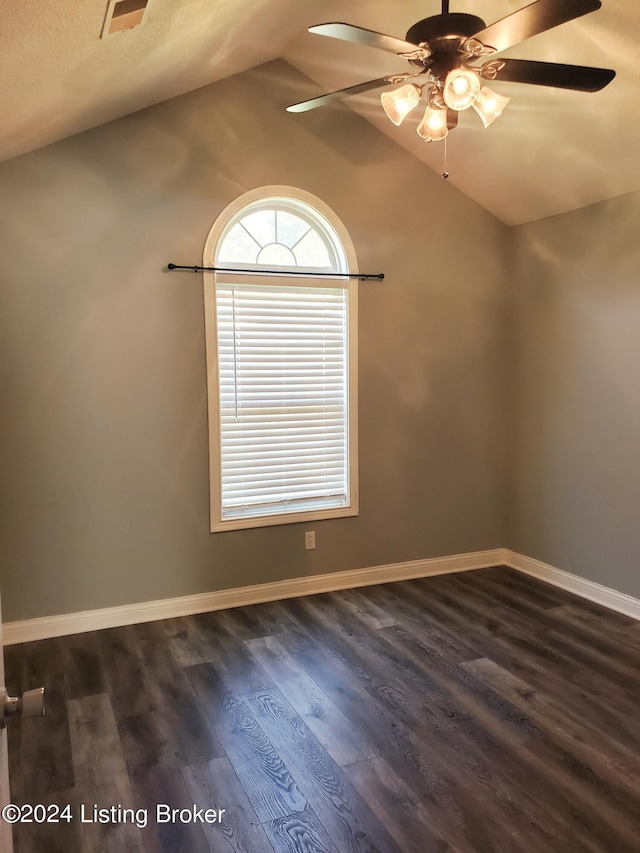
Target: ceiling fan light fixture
pixel 461 88
pixel 433 126
pixel 489 105
pixel 399 103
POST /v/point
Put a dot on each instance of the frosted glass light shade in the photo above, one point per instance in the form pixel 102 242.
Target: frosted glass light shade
pixel 433 126
pixel 399 103
pixel 489 106
pixel 461 88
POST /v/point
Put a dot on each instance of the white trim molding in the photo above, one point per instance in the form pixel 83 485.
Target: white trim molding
pixel 130 614
pixel 604 595
pixel 148 611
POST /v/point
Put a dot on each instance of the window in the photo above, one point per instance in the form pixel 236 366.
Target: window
pixel 281 359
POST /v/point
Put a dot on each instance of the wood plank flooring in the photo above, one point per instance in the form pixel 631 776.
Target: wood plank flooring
pixel 483 712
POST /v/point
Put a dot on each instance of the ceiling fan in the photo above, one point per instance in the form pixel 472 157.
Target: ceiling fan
pixel 442 50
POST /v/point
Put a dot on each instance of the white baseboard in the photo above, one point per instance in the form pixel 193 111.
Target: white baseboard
pixel 611 598
pixel 148 611
pixel 130 614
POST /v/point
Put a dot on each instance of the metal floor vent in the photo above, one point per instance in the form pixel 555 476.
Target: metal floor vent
pixel 123 15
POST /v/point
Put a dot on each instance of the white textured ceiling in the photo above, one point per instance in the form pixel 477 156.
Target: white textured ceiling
pixel 551 150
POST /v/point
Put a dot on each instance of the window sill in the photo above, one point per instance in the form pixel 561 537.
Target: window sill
pixel 284 518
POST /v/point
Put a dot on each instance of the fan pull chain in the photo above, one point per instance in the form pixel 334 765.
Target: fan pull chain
pixel 445 174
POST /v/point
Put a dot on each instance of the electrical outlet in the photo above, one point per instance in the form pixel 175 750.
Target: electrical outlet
pixel 310 540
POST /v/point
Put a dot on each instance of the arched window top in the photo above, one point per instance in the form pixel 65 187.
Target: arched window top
pixel 281 228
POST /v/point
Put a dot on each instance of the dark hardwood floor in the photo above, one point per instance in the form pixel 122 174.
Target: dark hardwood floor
pixel 483 712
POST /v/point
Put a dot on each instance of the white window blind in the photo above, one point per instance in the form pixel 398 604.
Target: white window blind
pixel 284 398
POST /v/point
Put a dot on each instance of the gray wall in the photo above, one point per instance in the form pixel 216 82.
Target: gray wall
pixel 103 432
pixel 576 390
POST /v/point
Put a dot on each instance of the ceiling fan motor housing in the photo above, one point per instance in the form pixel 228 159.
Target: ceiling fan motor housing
pixel 445 35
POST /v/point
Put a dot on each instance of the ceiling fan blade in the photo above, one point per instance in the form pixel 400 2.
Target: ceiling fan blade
pixel 359 35
pixel 533 19
pixel 582 78
pixel 321 100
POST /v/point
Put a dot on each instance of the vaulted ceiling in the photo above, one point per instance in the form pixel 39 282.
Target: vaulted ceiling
pixel 551 150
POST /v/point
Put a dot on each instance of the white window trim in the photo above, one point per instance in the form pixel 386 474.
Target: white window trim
pixel 209 283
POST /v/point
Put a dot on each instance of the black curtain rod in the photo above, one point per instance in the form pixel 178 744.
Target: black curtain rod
pixel 359 275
